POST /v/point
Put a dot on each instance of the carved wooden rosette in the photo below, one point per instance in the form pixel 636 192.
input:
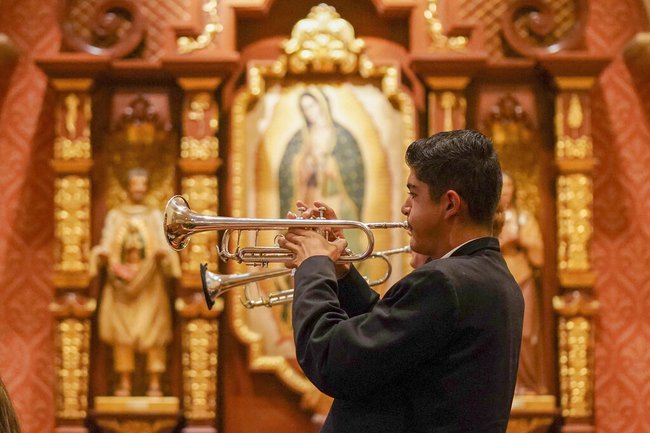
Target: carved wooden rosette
pixel 576 305
pixel 199 162
pixel 200 329
pixel 72 163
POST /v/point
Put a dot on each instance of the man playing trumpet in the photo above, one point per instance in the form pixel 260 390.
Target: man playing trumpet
pixel 439 352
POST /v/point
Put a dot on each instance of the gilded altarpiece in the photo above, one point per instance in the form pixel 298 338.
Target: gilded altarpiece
pixel 167 126
pixel 322 102
pixel 72 308
pixel 553 174
pixel 331 71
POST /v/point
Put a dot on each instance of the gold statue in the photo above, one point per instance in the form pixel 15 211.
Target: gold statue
pixel 523 250
pixel 134 311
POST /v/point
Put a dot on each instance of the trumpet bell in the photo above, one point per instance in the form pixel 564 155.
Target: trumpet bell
pixel 205 283
pixel 215 285
pixel 177 221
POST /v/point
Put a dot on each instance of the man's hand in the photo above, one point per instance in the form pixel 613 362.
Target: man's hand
pixel 328 213
pixel 308 243
pixel 332 235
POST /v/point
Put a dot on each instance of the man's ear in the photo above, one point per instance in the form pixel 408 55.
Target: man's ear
pixel 453 203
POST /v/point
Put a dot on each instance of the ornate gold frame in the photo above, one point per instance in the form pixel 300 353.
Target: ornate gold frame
pixel 322 43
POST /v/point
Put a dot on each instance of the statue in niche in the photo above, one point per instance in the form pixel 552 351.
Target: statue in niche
pixel 134 310
pixel 523 250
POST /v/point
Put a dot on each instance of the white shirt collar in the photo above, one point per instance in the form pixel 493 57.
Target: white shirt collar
pixel 454 249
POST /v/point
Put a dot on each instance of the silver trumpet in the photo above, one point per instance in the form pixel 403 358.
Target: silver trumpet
pixel 180 223
pixel 215 285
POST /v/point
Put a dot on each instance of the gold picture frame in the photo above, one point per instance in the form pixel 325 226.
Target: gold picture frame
pixel 364 120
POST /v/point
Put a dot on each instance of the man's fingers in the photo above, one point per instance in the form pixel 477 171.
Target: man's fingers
pixel 341 244
pixel 328 213
pixel 294 233
pixel 286 242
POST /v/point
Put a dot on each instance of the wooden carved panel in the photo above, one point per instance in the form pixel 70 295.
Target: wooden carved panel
pixel 117 27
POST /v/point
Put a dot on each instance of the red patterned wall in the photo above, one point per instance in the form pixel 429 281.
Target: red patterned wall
pixel 620 245
pixel 26 228
pixel 622 225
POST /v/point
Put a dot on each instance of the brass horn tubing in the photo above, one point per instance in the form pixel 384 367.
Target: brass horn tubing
pixel 275 298
pixel 286 296
pixel 383 255
pixel 260 255
pixel 180 223
pixel 217 284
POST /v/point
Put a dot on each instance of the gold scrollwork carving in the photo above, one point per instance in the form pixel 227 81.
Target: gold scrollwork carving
pixel 72 343
pixel 323 41
pixel 68 149
pixel 210 31
pixel 70 122
pixel 204 111
pixel 575 370
pixel 568 146
pixel 137 426
pixel 72 218
pixel 580 148
pixel 576 116
pixel 447 102
pixel 71 106
pixel 574 197
pixel 440 41
pixel 201 191
pixel 200 148
pixel 200 368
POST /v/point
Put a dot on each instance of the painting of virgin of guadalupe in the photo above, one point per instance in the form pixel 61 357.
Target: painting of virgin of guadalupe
pixel 337 143
pixel 323 162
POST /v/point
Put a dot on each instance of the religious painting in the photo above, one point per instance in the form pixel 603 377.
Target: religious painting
pixel 339 143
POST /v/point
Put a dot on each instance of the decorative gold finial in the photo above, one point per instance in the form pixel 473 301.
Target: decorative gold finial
pixel 323 41
pixel 210 31
pixel 439 41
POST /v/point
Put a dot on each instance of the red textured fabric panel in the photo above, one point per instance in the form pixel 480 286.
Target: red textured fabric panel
pixel 27 229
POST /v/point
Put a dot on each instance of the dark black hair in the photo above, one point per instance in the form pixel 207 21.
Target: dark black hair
pixel 463 161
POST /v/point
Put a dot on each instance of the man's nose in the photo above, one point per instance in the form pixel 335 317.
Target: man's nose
pixel 406 209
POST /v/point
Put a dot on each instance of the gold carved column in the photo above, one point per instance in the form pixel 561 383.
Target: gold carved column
pixel 199 162
pixel 72 308
pixel 576 305
pixel 199 333
pixel 446 76
pixel 446 103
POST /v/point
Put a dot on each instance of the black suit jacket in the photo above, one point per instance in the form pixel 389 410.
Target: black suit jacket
pixel 438 353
